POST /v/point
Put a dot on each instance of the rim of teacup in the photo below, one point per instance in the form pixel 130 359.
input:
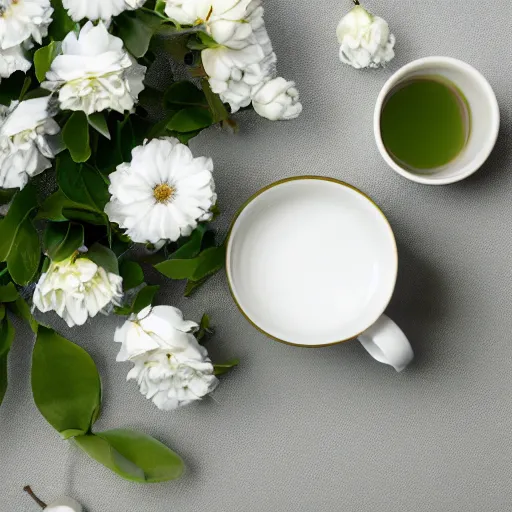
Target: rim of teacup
pixel 487 147
pixel 229 244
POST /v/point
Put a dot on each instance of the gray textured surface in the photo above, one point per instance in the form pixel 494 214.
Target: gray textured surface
pixel 329 429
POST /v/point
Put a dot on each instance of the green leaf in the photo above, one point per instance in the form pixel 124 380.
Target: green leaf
pixel 23 203
pixel 217 108
pixel 99 123
pixel 95 218
pixel 192 247
pixel 103 257
pixel 8 293
pixel 43 59
pixel 184 94
pixel 204 328
pixel 26 86
pixel 61 240
pixel 20 309
pixel 144 298
pixel 221 369
pixel 136 28
pixel 62 24
pixel 132 455
pixel 65 383
pixel 82 184
pixel 6 194
pixel 6 339
pixel 207 263
pixel 25 254
pixel 185 138
pixel 190 119
pixel 76 137
pixel 55 206
pixel 132 274
pixel 192 286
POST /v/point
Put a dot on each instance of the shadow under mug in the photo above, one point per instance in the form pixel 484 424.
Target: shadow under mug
pixel 483 108
pixel 313 262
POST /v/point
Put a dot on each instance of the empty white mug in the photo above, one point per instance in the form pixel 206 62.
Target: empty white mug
pixel 313 262
pixel 483 110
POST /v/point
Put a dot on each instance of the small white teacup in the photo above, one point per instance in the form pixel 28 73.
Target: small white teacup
pixel 484 113
pixel 313 262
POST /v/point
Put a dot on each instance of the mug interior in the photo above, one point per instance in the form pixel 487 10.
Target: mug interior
pixel 483 109
pixel 311 261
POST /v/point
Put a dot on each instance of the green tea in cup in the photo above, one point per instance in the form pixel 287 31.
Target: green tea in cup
pixel 425 123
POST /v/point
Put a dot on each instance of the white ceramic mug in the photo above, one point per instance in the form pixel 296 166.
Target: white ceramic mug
pixel 484 113
pixel 313 262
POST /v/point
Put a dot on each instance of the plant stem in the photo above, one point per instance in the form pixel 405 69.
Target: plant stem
pixel 30 492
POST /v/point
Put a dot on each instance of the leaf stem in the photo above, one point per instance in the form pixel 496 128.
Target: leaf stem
pixel 30 492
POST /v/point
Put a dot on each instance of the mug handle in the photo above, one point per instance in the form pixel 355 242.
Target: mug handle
pixel 387 343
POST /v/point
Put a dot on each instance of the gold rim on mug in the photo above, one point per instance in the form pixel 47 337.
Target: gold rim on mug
pixel 275 184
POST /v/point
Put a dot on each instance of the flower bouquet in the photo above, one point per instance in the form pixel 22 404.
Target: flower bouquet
pixel 96 177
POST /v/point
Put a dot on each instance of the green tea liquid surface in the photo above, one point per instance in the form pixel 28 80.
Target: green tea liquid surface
pixel 425 123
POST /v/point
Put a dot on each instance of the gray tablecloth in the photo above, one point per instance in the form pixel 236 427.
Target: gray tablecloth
pixel 328 429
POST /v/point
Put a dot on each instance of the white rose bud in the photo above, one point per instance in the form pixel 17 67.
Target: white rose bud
pixel 277 100
pixel 64 504
pixel 365 39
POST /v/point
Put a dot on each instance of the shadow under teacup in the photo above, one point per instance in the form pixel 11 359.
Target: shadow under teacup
pixel 313 262
pixel 428 111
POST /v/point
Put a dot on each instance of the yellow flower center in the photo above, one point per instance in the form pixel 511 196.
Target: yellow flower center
pixel 163 192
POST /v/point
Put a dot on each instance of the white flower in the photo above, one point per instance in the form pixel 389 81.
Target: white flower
pixel 13 59
pixel 235 74
pixel 22 19
pixel 24 148
pixel 226 21
pixel 99 9
pixel 77 288
pixel 170 366
pixel 94 72
pixel 365 39
pixel 64 504
pixel 162 193
pixel 277 100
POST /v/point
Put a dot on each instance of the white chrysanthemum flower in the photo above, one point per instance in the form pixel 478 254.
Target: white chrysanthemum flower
pixel 170 366
pixel 95 73
pixel 365 40
pixel 99 9
pixel 162 193
pixel 12 60
pixel 21 20
pixel 235 74
pixel 277 100
pixel 77 288
pixel 226 21
pixel 24 148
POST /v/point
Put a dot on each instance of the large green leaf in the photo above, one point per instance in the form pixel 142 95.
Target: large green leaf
pixel 23 203
pixel 192 247
pixel 82 184
pixel 76 137
pixel 207 263
pixel 133 455
pixel 222 368
pixel 61 239
pixel 184 94
pixel 25 254
pixel 104 257
pixel 6 339
pixel 65 384
pixel 190 119
pixel 136 28
pixel 6 195
pixel 8 293
pixel 43 59
pixel 132 274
